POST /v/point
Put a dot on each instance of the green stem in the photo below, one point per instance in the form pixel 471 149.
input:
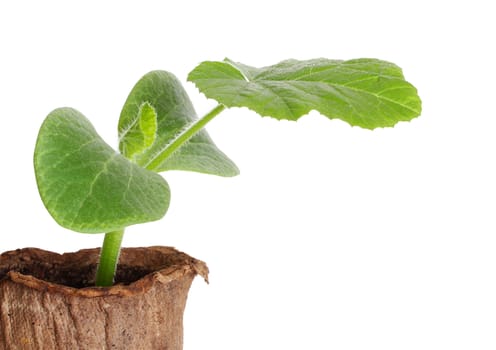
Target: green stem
pixel 184 136
pixel 109 256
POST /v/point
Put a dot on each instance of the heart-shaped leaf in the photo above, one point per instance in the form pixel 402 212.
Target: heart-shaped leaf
pixel 86 185
pixel 368 93
pixel 175 114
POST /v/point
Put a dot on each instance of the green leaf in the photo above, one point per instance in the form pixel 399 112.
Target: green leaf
pixel 369 93
pixel 141 135
pixel 86 185
pixel 175 116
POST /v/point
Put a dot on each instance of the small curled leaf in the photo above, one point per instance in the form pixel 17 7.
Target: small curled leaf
pixel 141 134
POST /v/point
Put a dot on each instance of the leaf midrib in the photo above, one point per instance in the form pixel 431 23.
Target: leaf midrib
pixel 260 82
pixel 300 78
pixel 91 186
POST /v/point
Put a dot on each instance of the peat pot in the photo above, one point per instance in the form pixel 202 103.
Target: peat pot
pixel 47 300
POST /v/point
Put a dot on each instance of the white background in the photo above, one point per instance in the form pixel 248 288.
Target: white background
pixel 333 237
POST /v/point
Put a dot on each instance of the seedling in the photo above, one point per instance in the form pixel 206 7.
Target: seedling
pixel 89 187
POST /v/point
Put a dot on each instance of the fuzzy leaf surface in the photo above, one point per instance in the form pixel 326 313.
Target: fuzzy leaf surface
pixel 369 93
pixel 175 114
pixel 86 185
pixel 143 132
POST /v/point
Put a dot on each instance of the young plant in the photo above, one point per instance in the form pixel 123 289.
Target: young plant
pixel 89 187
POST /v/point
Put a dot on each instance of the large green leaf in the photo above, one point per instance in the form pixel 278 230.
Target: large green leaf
pixel 175 114
pixel 86 185
pixel 368 93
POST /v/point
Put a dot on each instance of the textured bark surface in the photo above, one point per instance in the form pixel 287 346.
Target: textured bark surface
pixel 47 302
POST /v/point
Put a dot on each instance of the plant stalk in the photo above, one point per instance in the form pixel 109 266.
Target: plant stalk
pixel 109 257
pixel 184 136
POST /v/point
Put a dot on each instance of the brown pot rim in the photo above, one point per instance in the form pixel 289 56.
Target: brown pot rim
pixel 182 265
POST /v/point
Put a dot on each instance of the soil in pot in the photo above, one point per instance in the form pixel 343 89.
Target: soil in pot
pixel 47 300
